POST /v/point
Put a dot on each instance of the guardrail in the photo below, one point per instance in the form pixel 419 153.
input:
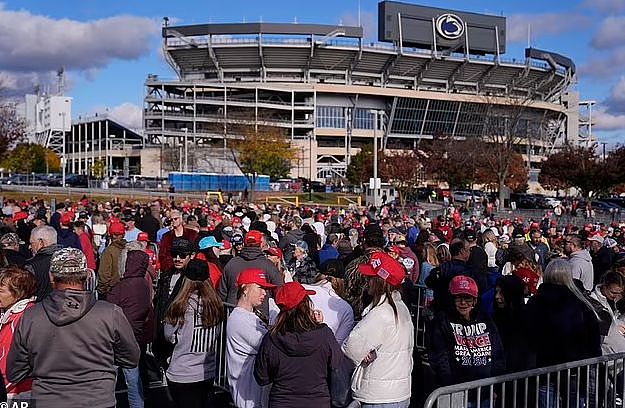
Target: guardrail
pixel 595 382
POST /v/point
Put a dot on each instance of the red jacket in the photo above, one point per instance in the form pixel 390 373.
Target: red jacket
pixel 8 324
pixel 87 249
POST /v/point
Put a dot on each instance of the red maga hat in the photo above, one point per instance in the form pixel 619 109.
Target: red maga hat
pixel 254 275
pixel 291 294
pixel 384 267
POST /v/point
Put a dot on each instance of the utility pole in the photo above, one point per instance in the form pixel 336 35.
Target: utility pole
pixel 63 159
pixel 186 149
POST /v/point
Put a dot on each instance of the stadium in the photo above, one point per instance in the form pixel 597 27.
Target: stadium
pixel 431 71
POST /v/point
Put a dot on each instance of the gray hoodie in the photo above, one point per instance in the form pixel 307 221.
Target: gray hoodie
pixel 69 344
pixel 581 268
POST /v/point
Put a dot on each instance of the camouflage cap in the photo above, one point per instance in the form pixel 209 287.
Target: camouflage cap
pixel 68 260
pixel 9 239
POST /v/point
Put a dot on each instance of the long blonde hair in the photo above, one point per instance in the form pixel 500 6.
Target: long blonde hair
pixel 489 236
pixel 429 254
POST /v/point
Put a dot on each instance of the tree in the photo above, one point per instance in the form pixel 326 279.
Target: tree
pixel 360 168
pixel 262 150
pixel 403 169
pixel 575 166
pixel 12 126
pixel 31 157
pixel 516 178
pixel 98 169
pixel 452 161
pixel 507 125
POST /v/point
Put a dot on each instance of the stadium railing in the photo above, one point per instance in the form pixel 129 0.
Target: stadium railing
pixel 595 382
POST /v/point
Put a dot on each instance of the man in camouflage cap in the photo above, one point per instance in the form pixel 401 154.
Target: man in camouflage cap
pixel 10 244
pixel 75 366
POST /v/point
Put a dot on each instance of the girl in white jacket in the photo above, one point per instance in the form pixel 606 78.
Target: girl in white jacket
pixel 381 345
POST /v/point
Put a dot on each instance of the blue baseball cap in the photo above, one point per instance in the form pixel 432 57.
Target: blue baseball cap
pixel 210 242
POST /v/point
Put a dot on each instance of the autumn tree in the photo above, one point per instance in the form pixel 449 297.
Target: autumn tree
pixel 262 150
pixel 31 157
pixel 452 160
pixel 575 166
pixel 516 178
pixel 403 170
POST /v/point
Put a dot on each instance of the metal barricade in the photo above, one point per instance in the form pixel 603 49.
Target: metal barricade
pixel 596 382
pixel 221 379
pixel 421 314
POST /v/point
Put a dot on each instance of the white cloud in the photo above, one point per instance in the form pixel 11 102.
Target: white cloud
pixel 33 47
pixel 541 24
pixel 128 114
pixel 604 64
pixel 610 33
pixel 615 103
pixel 35 43
pixel 608 121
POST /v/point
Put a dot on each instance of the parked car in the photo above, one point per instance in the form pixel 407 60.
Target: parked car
pixel 77 180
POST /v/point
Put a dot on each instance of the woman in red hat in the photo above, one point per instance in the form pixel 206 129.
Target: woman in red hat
pixel 464 343
pixel 381 344
pixel 298 353
pixel 245 332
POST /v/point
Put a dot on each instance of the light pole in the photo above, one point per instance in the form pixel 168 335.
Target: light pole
pixel 63 159
pixel 310 168
pixel 376 186
pixel 186 149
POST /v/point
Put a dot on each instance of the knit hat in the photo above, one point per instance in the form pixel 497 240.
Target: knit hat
pixel 9 239
pixel 196 270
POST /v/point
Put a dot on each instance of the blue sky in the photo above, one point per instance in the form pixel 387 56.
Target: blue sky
pixel 109 47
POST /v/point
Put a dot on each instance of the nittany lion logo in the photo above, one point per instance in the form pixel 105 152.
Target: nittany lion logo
pixel 450 26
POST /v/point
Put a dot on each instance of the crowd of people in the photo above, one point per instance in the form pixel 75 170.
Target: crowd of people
pixel 313 306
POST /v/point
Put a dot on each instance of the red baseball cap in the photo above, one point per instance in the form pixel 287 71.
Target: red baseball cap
pixel 256 276
pixel 275 252
pixel 463 285
pixel 236 220
pixel 20 215
pixel 385 267
pixel 226 245
pixel 117 228
pixel 143 237
pixel 67 218
pixel 253 238
pixel 291 294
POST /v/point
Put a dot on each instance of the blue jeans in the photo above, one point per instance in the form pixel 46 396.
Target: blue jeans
pixel 401 404
pixel 135 387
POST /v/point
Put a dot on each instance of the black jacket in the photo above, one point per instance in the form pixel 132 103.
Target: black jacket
pixel 67 238
pixel 39 265
pixel 249 257
pixel 461 351
pixel 298 365
pixel 602 261
pixel 14 257
pixel 562 328
pixel 439 279
pixel 150 225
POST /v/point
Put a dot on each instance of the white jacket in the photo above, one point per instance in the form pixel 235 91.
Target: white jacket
pixel 387 379
pixel 614 342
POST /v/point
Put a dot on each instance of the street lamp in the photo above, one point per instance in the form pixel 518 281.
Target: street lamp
pixel 186 149
pixel 376 185
pixel 63 160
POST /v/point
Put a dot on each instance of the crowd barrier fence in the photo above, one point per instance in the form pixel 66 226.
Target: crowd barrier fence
pixel 595 382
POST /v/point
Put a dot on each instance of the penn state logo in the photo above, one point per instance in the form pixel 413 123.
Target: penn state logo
pixel 450 26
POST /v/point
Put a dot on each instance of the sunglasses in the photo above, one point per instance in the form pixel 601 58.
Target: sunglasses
pixel 180 255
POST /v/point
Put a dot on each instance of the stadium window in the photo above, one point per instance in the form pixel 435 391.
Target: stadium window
pixel 330 117
pixel 363 119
